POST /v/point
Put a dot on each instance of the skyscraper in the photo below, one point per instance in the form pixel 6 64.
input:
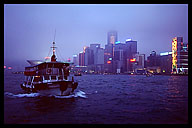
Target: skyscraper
pixel 89 56
pixel 123 53
pixel 94 48
pixel 75 60
pixel 109 51
pixel 179 56
pixel 81 59
pixel 112 37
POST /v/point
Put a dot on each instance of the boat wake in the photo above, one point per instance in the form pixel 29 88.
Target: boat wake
pixel 76 94
pixel 22 94
pixel 79 93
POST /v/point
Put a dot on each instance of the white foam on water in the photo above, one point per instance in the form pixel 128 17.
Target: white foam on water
pixel 22 94
pixel 80 94
pixel 76 94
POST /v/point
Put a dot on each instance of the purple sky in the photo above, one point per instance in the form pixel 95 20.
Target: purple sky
pixel 29 29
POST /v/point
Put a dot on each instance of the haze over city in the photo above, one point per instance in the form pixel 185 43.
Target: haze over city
pixel 29 29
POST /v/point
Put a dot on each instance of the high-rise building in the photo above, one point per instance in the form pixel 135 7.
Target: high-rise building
pixel 179 56
pixel 94 48
pixel 118 60
pixel 89 56
pixel 109 51
pixel 153 59
pixel 140 58
pixel 81 59
pixel 131 48
pixel 112 37
pixel 75 59
pixel 165 61
pixel 124 52
pixel 100 56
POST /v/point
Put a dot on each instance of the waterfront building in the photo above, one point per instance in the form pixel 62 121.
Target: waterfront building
pixel 153 59
pixel 131 50
pixel 94 48
pixel 165 60
pixel 94 58
pixel 123 54
pixel 153 63
pixel 81 59
pixel 100 56
pixel 118 60
pixel 109 51
pixel 89 56
pixel 179 56
pixel 108 58
pixel 139 64
pixel 75 59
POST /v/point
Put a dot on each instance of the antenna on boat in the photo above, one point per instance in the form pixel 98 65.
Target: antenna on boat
pixel 54 36
pixel 53 58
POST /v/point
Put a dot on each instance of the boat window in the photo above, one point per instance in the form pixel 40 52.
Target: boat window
pixel 60 71
pixel 54 71
pixel 29 80
pixel 46 77
pixel 42 72
pixel 53 77
pixel 37 79
pixel 60 77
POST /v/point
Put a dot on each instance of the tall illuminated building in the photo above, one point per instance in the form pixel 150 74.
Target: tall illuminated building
pixel 112 37
pixel 109 51
pixel 75 59
pixel 123 53
pixel 179 56
pixel 89 56
pixel 82 57
pixel 94 48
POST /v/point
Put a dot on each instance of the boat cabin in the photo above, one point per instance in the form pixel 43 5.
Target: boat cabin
pixel 46 72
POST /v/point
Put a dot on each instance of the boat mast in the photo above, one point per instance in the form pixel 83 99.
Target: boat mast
pixel 53 58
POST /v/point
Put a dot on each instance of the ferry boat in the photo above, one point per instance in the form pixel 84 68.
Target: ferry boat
pixel 49 77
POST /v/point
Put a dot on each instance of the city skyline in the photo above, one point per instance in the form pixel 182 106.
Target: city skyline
pixel 29 28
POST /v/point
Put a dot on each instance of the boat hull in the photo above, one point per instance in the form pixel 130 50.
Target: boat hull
pixel 51 88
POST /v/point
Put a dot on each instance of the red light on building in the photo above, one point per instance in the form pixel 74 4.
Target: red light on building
pixel 9 67
pixel 133 60
pixel 4 66
pixel 108 62
pixel 69 60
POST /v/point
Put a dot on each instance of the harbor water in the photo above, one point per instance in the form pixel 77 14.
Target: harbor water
pixel 101 99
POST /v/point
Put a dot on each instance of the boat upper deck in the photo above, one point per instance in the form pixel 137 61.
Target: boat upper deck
pixel 47 68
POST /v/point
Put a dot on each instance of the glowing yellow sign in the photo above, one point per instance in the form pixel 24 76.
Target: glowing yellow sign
pixel 174 53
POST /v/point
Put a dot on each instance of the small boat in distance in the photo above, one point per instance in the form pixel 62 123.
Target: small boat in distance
pixel 49 77
pixel 77 74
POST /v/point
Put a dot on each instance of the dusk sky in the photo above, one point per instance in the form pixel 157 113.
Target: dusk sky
pixel 29 29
